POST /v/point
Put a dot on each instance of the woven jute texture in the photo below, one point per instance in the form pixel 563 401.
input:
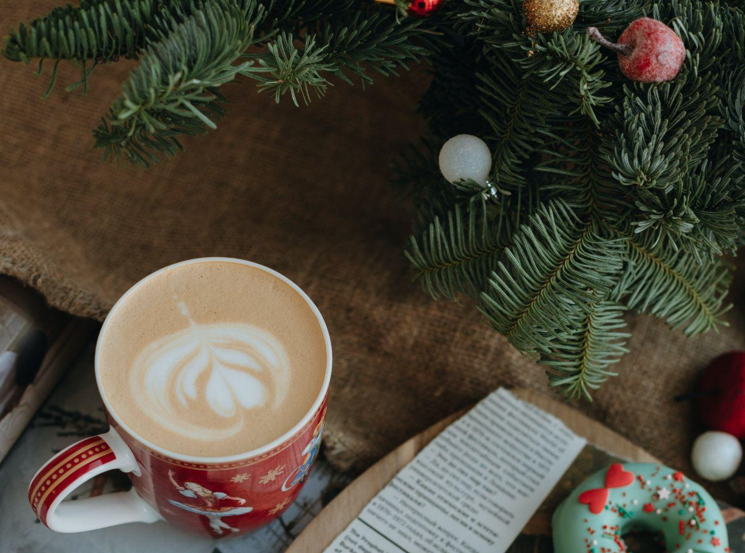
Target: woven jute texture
pixel 304 191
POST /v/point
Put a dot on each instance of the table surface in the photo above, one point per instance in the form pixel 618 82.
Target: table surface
pixel 74 411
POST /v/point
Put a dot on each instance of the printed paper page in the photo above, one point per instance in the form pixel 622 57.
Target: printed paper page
pixel 473 488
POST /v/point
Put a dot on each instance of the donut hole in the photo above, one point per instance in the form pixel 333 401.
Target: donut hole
pixel 644 541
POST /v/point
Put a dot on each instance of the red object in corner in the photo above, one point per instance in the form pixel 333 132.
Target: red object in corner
pixel 424 8
pixel 722 403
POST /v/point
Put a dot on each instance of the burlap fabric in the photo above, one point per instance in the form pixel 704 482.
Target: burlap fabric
pixel 305 191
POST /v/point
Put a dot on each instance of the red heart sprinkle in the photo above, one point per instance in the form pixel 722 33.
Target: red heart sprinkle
pixel 616 477
pixel 596 499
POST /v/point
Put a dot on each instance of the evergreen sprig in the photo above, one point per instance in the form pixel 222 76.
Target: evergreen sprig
pixel 457 256
pixel 175 88
pixel 625 196
pixel 345 44
pixel 188 49
pixel 673 286
pixel 579 363
pixel 289 69
pixel 558 268
pixel 96 29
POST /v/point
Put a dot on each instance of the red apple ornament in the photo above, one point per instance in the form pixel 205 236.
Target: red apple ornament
pixel 721 403
pixel 419 8
pixel 425 8
pixel 648 51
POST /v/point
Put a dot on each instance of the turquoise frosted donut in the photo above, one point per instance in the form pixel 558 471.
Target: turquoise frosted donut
pixel 638 497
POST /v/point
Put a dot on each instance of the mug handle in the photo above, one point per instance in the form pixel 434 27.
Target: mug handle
pixel 77 464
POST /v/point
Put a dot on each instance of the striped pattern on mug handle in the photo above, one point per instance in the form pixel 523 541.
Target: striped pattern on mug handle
pixel 72 467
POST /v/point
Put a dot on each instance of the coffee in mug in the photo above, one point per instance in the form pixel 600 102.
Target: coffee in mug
pixel 212 358
pixel 214 374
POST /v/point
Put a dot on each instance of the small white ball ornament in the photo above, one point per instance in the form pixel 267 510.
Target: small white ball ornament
pixel 465 157
pixel 716 456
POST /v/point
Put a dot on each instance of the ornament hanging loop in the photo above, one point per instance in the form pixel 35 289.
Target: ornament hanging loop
pixel 491 192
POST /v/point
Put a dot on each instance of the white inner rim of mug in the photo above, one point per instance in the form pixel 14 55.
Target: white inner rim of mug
pixel 229 458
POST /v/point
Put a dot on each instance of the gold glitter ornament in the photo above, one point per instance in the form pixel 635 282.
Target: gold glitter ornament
pixel 547 16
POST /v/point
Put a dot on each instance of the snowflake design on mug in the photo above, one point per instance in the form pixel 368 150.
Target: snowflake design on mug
pixel 240 478
pixel 281 505
pixel 272 475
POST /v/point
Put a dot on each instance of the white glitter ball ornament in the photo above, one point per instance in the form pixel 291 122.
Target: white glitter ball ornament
pixel 465 157
pixel 716 456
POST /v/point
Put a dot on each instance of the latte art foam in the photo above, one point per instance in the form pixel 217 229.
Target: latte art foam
pixel 225 369
pixel 212 358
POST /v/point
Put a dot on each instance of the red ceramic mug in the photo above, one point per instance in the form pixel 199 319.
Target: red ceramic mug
pixel 212 496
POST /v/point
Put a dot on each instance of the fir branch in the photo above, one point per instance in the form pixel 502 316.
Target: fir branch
pixel 353 44
pixel 292 15
pixel 457 258
pixel 100 31
pixel 701 215
pixel 733 41
pixel 732 108
pixel 185 58
pixel 287 68
pixel 640 186
pixel 663 132
pixel 581 176
pixel 516 110
pixel 95 30
pixel 579 362
pixel 666 212
pixel 175 89
pixel 557 269
pixel 672 286
pixel 574 62
pixel 496 24
pixel 402 7
pixel 372 40
pixel 610 16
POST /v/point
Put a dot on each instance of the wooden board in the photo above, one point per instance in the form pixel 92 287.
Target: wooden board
pixel 349 503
